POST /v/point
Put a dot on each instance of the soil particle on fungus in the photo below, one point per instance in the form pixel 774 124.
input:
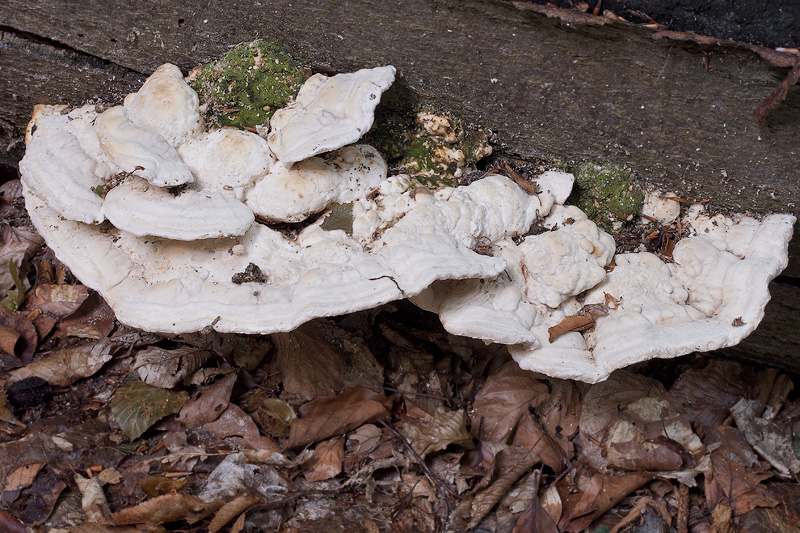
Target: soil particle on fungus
pixel 251 274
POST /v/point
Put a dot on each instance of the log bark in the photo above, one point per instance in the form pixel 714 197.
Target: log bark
pixel 678 113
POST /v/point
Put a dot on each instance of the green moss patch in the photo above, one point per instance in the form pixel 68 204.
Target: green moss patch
pixel 608 194
pixel 248 84
pixel 432 160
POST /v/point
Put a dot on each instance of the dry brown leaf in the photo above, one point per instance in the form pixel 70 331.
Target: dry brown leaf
pixel 273 416
pixel 57 301
pixel 9 524
pixel 8 339
pixel 69 365
pixel 45 491
pixel 159 486
pixel 503 399
pixel 735 480
pixel 309 365
pixel 168 508
pixel 136 406
pixel 765 519
pixel 166 368
pixel 238 526
pixel 209 405
pixel 529 435
pixel 707 394
pixel 94 502
pixel 551 503
pixel 510 463
pixel 17 244
pixel 364 439
pixel 21 477
pixel 25 345
pixel 231 510
pixel 233 422
pixel 326 417
pixel 94 319
pixel 766 437
pixel 326 462
pixel 560 413
pixel 445 428
pixel 535 518
pixel 592 494
pixel 33 448
pixel 630 408
pixel 655 455
pixel 789 495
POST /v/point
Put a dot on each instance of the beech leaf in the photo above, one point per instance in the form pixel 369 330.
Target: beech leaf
pixel 136 406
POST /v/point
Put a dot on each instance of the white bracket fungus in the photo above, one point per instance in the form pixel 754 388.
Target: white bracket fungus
pixel 310 186
pixel 328 113
pixel 184 251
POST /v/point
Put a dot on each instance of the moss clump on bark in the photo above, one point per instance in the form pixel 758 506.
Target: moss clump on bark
pixel 248 84
pixel 433 150
pixel 608 194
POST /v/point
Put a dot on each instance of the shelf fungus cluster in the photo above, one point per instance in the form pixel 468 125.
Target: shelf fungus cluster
pixel 182 227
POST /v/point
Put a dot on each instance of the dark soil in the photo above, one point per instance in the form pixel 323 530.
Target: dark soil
pixel 772 23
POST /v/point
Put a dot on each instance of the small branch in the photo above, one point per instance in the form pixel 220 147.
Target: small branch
pixel 433 477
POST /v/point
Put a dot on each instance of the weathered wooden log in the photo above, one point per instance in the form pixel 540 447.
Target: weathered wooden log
pixel 678 113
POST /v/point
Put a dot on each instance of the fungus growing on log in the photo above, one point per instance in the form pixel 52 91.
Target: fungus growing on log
pixel 197 235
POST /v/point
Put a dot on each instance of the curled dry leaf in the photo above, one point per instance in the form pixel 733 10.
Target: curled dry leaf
pixel 25 344
pixel 68 365
pixel 364 439
pixel 231 510
pixel 583 321
pixel 535 518
pixel 530 435
pixel 504 398
pixel 9 524
pixel 326 417
pixel 159 486
pixel 273 416
pixel 136 406
pixel 57 301
pixel 168 508
pixel 45 491
pixel 94 502
pixel 166 368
